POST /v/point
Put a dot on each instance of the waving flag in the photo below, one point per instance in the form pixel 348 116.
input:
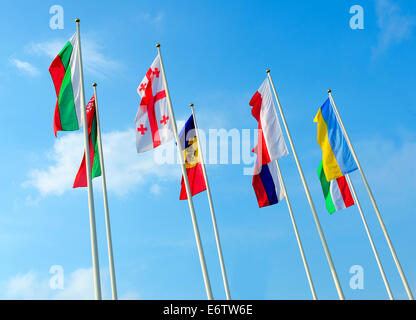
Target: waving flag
pixel 267 186
pixel 66 78
pixel 270 141
pixel 270 146
pixel 81 178
pixel 153 126
pixel 189 145
pixel 336 192
pixel 336 155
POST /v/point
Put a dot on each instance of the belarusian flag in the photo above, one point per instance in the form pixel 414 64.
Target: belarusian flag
pixel 336 192
pixel 81 178
pixel 67 80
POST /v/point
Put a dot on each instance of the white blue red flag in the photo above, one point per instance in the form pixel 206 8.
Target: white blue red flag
pixel 267 186
pixel 153 125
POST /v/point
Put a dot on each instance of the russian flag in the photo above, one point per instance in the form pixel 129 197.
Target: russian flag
pixel 267 186
pixel 270 146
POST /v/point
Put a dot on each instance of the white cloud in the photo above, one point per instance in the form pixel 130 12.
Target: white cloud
pixel 125 168
pixel 78 285
pixel 25 67
pixel 155 19
pixel 26 286
pixel 386 161
pixel 94 60
pixel 155 189
pixel 59 177
pixel 393 24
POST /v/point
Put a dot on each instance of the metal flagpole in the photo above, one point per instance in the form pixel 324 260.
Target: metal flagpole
pixel 106 211
pixel 211 206
pixel 295 228
pixel 311 204
pixel 373 201
pixel 380 266
pixel 95 263
pixel 188 189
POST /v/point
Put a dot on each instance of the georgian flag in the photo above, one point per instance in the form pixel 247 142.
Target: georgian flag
pixel 271 144
pixel 153 124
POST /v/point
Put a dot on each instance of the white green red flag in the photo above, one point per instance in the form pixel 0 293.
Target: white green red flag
pixel 65 73
pixel 81 178
pixel 336 192
pixel 153 125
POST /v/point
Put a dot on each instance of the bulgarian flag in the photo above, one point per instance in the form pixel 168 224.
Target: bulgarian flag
pixel 81 178
pixel 336 192
pixel 65 73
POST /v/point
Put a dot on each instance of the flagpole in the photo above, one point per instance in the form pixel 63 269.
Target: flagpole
pixel 311 204
pixel 380 266
pixel 106 211
pixel 188 189
pixel 211 206
pixel 295 228
pixel 373 201
pixel 95 262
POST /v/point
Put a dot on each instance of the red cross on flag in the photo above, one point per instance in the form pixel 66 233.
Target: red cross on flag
pixel 153 124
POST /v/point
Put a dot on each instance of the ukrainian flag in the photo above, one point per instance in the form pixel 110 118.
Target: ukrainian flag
pixel 336 155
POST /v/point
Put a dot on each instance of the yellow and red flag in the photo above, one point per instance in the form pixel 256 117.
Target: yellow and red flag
pixel 189 145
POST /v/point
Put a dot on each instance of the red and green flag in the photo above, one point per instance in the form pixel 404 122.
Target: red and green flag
pixel 65 73
pixel 336 192
pixel 81 178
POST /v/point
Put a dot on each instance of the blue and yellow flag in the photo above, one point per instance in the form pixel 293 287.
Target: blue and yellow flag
pixel 189 145
pixel 337 159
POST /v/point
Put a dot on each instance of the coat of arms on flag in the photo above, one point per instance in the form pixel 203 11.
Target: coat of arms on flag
pixel 153 125
pixel 189 145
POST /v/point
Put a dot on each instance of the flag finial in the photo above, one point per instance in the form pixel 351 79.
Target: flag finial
pixel 94 84
pixel 157 45
pixel 77 20
pixel 191 105
pixel 267 70
pixel 329 91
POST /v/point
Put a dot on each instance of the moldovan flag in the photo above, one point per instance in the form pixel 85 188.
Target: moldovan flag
pixel 81 178
pixel 66 78
pixel 336 192
pixel 336 155
pixel 267 186
pixel 189 145
pixel 270 138
pixel 153 126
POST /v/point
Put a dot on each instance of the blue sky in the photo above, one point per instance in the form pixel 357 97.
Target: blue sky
pixel 215 55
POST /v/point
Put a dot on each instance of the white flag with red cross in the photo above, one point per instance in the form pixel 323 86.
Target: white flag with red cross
pixel 153 124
